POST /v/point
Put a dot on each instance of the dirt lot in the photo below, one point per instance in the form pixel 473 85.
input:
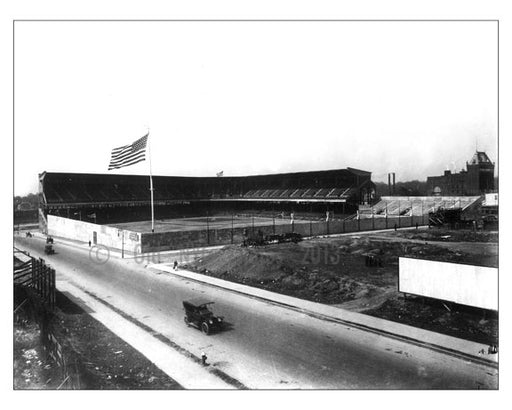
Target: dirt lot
pixel 334 271
pixel 445 235
pixel 108 362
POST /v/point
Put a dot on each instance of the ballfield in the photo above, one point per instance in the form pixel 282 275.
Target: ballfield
pixel 204 223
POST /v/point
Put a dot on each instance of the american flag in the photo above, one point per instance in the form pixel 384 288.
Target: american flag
pixel 129 154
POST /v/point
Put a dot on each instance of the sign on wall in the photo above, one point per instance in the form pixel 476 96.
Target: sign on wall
pixel 465 284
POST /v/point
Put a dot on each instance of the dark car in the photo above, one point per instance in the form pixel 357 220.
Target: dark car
pixel 48 249
pixel 197 313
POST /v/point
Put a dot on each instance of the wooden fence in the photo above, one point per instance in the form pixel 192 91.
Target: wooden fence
pixel 35 274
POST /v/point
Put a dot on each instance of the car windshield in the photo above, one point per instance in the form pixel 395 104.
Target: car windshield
pixel 204 311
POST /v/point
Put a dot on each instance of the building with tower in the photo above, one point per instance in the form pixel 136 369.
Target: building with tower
pixel 477 179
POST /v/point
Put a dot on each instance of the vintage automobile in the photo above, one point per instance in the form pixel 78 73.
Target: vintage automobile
pixel 48 249
pixel 49 239
pixel 198 314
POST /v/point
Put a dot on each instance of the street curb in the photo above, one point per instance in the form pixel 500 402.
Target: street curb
pixel 381 332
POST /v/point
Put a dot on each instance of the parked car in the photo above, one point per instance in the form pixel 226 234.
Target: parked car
pixel 197 313
pixel 48 249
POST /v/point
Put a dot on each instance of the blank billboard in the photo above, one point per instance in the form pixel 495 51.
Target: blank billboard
pixel 465 284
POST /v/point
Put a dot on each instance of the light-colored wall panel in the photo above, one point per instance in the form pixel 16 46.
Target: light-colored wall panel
pixel 465 284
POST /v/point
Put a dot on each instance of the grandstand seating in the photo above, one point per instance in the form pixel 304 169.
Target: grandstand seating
pixel 107 192
pixel 417 206
pixel 286 193
pixel 311 193
pixel 322 193
pixel 69 189
pixel 297 193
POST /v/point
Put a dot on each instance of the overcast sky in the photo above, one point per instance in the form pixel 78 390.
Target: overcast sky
pixel 254 97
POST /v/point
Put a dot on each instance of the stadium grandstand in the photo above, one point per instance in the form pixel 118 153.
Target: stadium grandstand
pixel 110 198
pixel 418 205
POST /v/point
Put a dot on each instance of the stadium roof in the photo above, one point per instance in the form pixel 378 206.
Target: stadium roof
pixel 80 189
pixel 354 171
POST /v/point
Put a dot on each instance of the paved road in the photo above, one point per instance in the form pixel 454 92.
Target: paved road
pixel 268 346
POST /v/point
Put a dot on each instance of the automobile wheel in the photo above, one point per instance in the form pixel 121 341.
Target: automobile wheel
pixel 205 328
pixel 186 321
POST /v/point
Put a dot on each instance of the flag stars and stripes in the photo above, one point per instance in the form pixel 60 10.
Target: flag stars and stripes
pixel 129 154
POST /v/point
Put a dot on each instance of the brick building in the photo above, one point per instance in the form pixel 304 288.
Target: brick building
pixel 477 179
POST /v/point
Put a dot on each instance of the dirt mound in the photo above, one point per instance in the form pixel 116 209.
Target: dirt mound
pixel 246 263
pixel 301 270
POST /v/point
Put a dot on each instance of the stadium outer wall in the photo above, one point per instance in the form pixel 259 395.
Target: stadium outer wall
pixel 136 242
pixel 104 235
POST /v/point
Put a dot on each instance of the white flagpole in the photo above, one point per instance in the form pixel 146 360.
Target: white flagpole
pixel 151 188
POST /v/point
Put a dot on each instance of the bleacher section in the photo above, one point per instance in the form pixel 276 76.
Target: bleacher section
pixel 311 193
pixel 417 206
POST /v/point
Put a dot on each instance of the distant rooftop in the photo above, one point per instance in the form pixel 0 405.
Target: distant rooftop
pixel 480 157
